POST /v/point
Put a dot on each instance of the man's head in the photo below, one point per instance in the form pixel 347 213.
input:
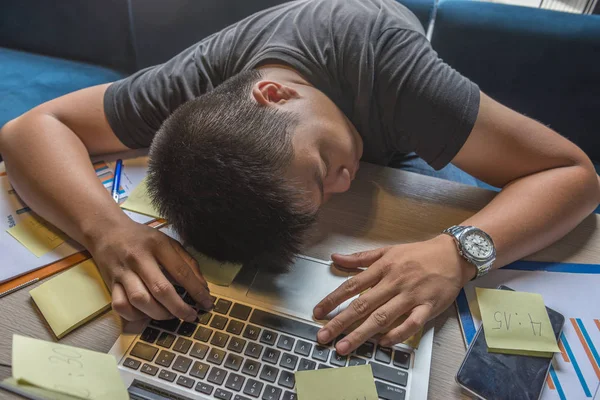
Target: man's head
pixel 241 171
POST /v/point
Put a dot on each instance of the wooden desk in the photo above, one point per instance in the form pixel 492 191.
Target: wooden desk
pixel 384 206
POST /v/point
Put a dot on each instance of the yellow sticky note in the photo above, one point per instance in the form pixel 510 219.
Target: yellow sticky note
pixel 36 391
pixel 348 383
pixel 36 234
pixel 65 369
pixel 215 272
pixel 138 201
pixel 516 323
pixel 72 298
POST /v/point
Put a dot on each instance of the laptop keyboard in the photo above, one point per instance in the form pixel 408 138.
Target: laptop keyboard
pixel 238 352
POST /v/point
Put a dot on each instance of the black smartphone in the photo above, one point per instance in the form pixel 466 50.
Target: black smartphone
pixel 496 376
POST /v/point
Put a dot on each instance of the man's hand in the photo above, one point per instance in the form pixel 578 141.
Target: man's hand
pixel 418 279
pixel 129 259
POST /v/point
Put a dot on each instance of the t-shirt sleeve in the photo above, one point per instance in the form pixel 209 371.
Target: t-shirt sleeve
pixel 136 106
pixel 425 105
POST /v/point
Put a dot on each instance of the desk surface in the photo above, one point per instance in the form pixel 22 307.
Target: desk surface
pixel 384 206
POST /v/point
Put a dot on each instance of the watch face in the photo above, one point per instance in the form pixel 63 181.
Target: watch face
pixel 478 245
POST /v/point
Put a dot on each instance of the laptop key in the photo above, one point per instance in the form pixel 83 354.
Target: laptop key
pixel 223 394
pixel 235 382
pixel 233 362
pixel 165 358
pixel 303 348
pixel 219 339
pixel 401 359
pixel 251 332
pixel 219 322
pixel 168 325
pixel 271 393
pixel 167 375
pixel 289 396
pixel 320 353
pixel 236 344
pixel 354 361
pixel 131 363
pixel 165 340
pixel 188 299
pixel 215 356
pixel 337 359
pixel 182 345
pixel 222 306
pixel 285 342
pixel 182 364
pixel 268 337
pixel 253 350
pixel 383 354
pixel 240 397
pixel 365 350
pixel 149 335
pixel 199 350
pixel 217 375
pixel 253 388
pixel 324 366
pixel 271 355
pixel 287 379
pixel 288 361
pixel 285 325
pixel 389 374
pixel 203 334
pixel 149 369
pixel 251 367
pixel 389 392
pixel 199 369
pixel 187 329
pixel 180 290
pixel 204 318
pixel 185 381
pixel 306 364
pixel 204 388
pixel 240 311
pixel 269 373
pixel 235 327
pixel 143 351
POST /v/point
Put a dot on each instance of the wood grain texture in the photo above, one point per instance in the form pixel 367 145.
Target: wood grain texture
pixel 384 206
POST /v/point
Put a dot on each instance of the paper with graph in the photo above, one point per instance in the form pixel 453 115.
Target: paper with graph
pixel 575 371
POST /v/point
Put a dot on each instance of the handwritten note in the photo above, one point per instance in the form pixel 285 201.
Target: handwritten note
pixel 72 298
pixel 36 234
pixel 139 201
pixel 516 323
pixel 218 273
pixel 65 369
pixel 349 383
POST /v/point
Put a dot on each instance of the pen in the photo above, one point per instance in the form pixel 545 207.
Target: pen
pixel 117 181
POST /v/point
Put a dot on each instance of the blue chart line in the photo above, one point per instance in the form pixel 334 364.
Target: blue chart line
pixel 559 388
pixel 588 340
pixel 575 365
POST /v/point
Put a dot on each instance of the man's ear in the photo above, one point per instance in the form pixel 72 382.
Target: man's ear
pixel 269 93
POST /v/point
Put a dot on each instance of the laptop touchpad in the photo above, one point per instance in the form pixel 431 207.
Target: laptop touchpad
pixel 299 287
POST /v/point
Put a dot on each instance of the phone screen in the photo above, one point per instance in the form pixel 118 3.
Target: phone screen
pixel 498 376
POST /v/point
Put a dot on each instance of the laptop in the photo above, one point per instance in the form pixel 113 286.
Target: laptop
pixel 259 333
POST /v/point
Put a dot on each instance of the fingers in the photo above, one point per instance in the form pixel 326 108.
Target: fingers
pixel 346 290
pixel 184 269
pixel 121 305
pixel 362 259
pixel 358 309
pixel 140 298
pixel 415 321
pixel 379 319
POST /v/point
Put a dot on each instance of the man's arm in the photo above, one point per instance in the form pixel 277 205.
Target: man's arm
pixel 549 186
pixel 47 150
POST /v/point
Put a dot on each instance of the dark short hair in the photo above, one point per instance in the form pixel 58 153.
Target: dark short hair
pixel 216 173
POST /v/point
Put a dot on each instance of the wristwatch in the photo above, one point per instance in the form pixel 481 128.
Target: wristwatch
pixel 475 246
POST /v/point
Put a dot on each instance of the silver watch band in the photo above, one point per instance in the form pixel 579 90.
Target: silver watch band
pixel 455 231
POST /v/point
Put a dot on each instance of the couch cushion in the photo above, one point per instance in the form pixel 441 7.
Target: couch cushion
pixel 27 80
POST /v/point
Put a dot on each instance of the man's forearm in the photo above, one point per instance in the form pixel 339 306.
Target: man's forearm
pixel 535 211
pixel 50 169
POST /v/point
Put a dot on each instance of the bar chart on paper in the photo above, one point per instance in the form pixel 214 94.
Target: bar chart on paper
pixel 575 371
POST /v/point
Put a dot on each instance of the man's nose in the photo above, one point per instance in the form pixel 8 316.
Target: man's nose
pixel 339 183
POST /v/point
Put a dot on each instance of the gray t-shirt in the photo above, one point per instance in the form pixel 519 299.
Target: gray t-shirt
pixel 371 57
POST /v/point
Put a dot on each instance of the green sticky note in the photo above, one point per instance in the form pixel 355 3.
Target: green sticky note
pixel 65 369
pixel 35 391
pixel 36 234
pixel 138 201
pixel 516 323
pixel 72 298
pixel 349 383
pixel 215 272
